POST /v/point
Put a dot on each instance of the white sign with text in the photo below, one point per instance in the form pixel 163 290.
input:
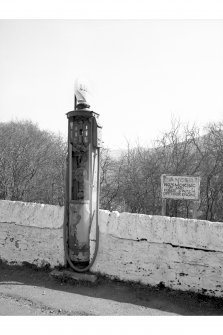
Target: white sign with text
pixel 180 187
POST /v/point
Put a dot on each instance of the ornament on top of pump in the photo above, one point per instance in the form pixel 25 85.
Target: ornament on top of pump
pixel 81 95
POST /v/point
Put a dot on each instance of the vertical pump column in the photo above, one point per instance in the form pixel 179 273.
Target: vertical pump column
pixel 82 186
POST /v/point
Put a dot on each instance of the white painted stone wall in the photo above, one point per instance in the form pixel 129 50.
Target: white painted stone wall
pixel 179 253
pixel 31 233
pixel 182 254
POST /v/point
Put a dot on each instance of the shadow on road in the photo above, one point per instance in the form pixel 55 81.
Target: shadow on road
pixel 182 303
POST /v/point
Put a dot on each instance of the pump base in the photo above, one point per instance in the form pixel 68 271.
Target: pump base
pixel 77 277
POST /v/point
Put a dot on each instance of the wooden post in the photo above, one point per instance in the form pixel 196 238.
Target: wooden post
pixel 163 207
pixel 195 209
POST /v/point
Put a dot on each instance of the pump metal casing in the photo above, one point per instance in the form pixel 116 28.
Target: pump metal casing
pixel 82 184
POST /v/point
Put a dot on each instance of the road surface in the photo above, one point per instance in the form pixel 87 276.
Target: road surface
pixel 27 291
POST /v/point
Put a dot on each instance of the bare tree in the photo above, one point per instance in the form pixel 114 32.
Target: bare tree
pixel 110 181
pixel 211 148
pixel 31 160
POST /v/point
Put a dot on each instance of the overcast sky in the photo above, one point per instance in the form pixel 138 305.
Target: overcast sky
pixel 140 73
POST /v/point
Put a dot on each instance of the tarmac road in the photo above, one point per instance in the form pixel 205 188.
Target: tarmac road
pixel 27 291
pixel 19 299
pixel 15 305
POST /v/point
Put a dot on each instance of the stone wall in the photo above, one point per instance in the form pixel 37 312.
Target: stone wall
pixel 178 253
pixel 31 233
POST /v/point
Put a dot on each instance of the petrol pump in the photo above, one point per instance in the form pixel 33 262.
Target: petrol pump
pixel 82 183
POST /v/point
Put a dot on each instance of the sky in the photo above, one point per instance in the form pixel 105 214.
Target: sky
pixel 140 74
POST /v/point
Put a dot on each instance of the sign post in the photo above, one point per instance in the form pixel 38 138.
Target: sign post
pixel 182 188
pixel 163 207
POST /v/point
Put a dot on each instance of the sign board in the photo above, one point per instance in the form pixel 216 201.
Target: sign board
pixel 180 187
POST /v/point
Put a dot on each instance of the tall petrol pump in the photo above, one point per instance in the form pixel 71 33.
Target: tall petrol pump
pixel 82 183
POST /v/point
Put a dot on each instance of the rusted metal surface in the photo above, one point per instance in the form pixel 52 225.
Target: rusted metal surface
pixel 79 232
